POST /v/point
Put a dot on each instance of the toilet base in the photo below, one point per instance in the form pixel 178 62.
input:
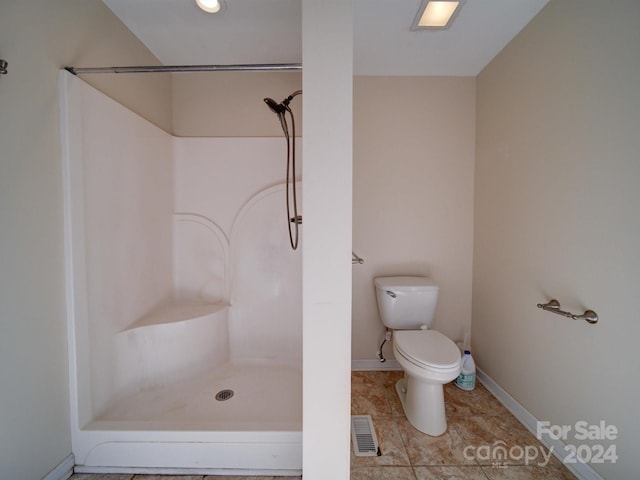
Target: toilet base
pixel 423 404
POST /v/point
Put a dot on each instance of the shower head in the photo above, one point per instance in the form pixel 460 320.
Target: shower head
pixel 275 107
pixel 279 109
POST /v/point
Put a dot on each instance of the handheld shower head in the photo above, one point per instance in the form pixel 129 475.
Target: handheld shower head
pixel 283 106
pixel 281 109
pixel 275 107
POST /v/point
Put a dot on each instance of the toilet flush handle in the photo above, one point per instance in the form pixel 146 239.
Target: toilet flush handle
pixel 391 294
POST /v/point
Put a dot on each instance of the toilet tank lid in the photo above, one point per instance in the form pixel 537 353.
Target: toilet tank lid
pixel 405 283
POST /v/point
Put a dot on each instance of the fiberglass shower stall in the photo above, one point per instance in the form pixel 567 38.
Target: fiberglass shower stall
pixel 185 303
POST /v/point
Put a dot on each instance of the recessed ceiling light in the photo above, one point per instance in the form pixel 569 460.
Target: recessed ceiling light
pixel 210 6
pixel 436 14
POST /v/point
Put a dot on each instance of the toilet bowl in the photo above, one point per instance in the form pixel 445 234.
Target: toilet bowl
pixel 429 359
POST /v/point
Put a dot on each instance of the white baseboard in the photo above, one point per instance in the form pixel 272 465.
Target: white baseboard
pixel 581 470
pixel 63 471
pixel 369 365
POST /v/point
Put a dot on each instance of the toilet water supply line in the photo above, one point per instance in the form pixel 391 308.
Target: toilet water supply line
pixel 387 337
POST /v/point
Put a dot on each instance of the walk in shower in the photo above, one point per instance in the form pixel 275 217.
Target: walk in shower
pixel 184 297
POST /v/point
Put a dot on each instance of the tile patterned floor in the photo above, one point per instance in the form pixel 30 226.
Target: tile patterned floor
pixel 477 426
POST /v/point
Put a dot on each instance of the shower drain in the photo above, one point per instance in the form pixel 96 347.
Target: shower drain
pixel 223 395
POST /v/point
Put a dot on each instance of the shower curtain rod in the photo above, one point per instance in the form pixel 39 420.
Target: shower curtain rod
pixel 189 68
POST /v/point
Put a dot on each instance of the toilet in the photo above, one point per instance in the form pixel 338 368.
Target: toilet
pixel 429 359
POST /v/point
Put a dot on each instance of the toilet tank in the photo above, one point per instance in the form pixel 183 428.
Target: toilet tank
pixel 406 303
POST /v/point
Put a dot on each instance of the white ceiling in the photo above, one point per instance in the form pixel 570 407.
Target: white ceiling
pixel 269 31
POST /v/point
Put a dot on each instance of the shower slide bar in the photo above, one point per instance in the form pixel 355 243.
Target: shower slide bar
pixel 554 307
pixel 254 67
pixel 356 259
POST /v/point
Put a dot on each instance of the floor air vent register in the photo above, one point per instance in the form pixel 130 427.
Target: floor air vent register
pixel 365 442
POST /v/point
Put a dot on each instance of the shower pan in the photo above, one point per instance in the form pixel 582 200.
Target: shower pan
pixel 184 355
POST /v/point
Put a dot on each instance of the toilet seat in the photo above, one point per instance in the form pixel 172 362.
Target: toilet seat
pixel 427 349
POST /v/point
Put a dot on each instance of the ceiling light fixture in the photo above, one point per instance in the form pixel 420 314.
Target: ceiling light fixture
pixel 436 14
pixel 210 6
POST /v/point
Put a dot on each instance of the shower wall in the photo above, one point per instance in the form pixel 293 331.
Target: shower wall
pixel 158 221
pixel 121 188
pixel 237 184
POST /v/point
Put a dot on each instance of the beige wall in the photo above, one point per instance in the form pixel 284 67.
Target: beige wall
pixel 556 216
pixel 37 38
pixel 230 104
pixel 413 169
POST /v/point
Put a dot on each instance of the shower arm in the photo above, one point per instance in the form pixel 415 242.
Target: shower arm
pixel 287 100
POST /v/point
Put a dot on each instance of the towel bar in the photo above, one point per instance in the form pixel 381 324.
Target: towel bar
pixel 553 306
